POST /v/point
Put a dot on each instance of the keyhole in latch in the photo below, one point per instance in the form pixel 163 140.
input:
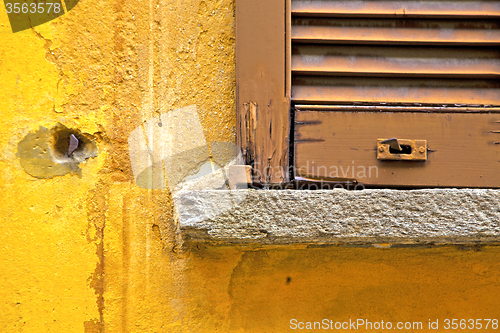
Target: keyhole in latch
pixel 405 149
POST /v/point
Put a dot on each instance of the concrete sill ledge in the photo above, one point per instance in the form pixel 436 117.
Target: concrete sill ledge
pixel 439 216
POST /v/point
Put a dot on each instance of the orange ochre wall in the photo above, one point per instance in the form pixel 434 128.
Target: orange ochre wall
pixel 96 253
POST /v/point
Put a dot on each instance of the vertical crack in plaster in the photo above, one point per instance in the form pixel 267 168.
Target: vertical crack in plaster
pixel 125 262
pixel 97 205
pixel 232 280
pixel 50 57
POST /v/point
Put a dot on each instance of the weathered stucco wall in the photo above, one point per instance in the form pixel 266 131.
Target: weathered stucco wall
pixel 95 253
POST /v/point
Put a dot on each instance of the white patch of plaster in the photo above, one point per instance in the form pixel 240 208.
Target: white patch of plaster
pixel 172 150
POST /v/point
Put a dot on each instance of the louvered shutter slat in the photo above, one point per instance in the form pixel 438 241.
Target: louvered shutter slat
pixel 398 36
pixel 445 9
pixel 408 62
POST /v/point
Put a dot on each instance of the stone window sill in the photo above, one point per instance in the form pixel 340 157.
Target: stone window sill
pixel 382 216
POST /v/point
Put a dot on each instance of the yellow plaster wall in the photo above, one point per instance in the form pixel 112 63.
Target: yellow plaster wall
pixel 98 254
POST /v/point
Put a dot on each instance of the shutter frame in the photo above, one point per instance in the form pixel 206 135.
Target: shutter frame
pixel 263 88
pixel 266 89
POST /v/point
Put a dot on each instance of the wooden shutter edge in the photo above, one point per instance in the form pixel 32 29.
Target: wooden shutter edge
pixel 263 88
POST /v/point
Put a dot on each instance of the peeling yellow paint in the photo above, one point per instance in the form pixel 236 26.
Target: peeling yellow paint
pixel 99 254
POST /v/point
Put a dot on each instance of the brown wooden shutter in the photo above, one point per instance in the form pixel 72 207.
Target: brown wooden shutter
pixel 356 73
pixel 415 70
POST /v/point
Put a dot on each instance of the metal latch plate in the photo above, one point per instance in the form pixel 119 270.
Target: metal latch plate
pixel 418 150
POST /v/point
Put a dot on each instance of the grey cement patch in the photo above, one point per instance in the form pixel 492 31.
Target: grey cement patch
pixel 446 216
pixel 47 153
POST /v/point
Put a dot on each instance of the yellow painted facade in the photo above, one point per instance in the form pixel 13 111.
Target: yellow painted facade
pixel 96 253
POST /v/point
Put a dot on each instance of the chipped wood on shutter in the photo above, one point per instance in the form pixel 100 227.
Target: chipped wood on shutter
pixel 263 87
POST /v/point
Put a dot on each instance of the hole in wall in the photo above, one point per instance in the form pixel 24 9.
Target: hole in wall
pixel 47 153
pixel 70 144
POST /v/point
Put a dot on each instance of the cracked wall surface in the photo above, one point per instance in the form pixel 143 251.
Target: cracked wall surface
pixel 96 253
